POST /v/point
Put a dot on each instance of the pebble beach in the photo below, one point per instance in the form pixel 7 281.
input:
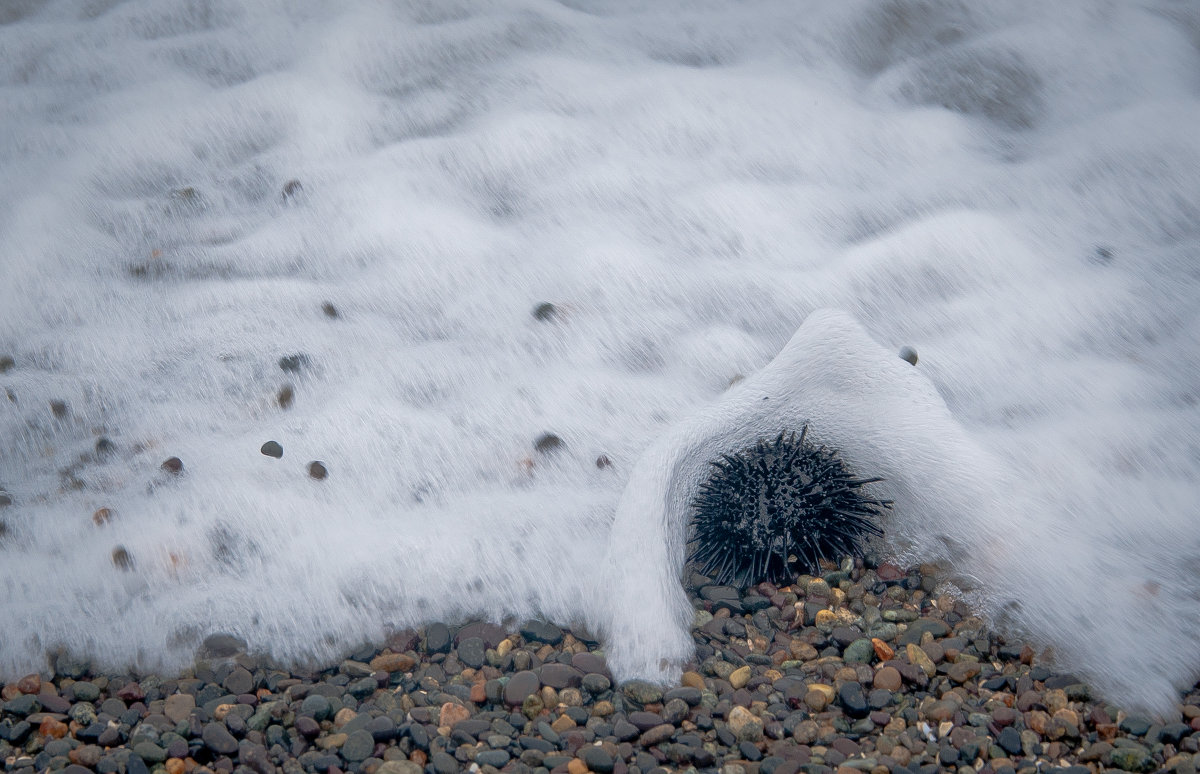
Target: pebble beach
pixel 868 668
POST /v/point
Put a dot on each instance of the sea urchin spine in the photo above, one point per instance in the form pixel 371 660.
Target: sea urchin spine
pixel 772 510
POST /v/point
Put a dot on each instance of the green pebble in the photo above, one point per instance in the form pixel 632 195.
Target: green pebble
pixel 859 652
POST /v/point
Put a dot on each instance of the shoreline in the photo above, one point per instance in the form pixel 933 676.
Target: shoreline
pixel 860 670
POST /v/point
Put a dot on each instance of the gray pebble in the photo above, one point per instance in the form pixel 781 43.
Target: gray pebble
pixel 316 706
pixel 217 738
pixel 472 651
pixel 239 681
pixel 597 759
pixel 358 746
pixel 497 758
pixel 519 686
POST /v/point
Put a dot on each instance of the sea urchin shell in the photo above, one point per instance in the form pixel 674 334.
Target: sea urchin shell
pixel 774 509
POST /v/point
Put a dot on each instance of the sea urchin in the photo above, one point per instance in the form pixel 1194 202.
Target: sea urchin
pixel 775 508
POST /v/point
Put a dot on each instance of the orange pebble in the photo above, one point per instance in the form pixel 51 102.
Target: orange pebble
pixel 53 728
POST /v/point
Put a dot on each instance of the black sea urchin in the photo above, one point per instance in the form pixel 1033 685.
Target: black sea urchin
pixel 774 509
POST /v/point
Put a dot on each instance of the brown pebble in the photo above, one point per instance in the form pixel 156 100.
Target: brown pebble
pixel 918 658
pixel 285 397
pixel 317 470
pixel 963 671
pixel 30 683
pixel 58 408
pixel 452 713
pixel 101 517
pixel 393 662
pixel 888 678
pixel 52 729
pixel 121 558
pixel 884 651
pixel 603 462
pixel 172 465
pixel 547 443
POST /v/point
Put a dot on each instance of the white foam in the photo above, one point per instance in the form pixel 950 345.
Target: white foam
pixel 1010 190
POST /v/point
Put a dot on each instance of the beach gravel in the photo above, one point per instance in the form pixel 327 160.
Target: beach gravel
pixel 864 669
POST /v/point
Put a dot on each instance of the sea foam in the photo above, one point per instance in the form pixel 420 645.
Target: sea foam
pixel 1010 189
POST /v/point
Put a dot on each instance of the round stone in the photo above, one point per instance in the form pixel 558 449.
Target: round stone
pixel 358 746
pixel 597 758
pixel 641 692
pixel 316 706
pixel 317 470
pixel 497 758
pixel 307 726
pixel 472 652
pixel 172 465
pixel 519 687
pixel 239 681
pixel 217 738
pixel 272 449
pixel 85 690
pixel 888 678
pixel 859 652
pixel 437 638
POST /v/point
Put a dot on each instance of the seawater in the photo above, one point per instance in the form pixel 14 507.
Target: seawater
pixel 1012 190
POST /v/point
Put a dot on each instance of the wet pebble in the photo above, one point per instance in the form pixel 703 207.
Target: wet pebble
pixel 773 689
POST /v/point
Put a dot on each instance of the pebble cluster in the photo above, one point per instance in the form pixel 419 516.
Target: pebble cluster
pixel 861 670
